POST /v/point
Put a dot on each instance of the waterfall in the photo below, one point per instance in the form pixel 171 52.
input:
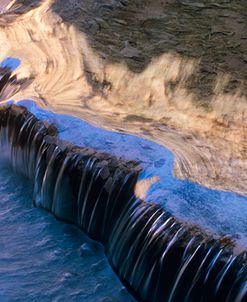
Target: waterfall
pixel 156 256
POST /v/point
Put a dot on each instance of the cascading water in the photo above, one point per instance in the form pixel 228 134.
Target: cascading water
pixel 157 257
pixel 94 60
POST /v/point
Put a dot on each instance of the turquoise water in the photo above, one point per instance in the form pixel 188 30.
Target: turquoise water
pixel 42 259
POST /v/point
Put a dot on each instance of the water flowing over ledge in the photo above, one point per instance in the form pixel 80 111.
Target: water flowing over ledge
pixel 43 259
pixel 156 256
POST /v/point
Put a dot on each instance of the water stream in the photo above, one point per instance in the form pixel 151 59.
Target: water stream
pixel 211 209
pixel 42 259
pixel 157 256
pixel 160 238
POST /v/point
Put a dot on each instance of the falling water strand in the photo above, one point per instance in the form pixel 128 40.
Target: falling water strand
pixel 156 257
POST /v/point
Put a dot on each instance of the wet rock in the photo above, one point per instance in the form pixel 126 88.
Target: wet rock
pixel 52 130
pixel 86 250
pixel 123 291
